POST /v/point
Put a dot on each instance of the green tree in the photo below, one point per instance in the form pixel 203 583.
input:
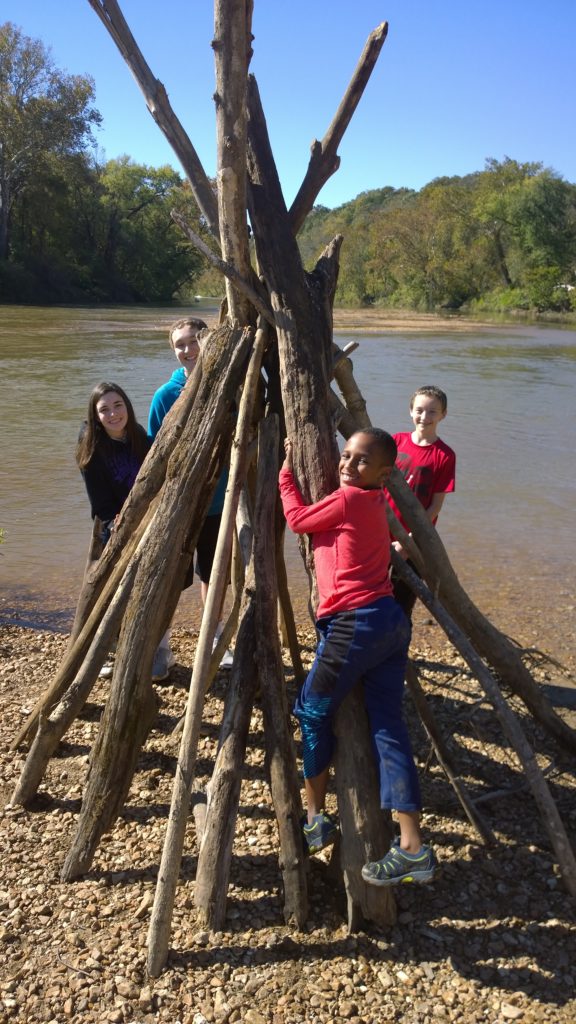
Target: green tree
pixel 42 111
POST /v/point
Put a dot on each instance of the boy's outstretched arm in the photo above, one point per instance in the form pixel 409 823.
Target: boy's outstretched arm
pixel 289 455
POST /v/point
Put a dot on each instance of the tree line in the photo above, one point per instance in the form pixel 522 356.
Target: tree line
pixel 75 227
pixel 501 239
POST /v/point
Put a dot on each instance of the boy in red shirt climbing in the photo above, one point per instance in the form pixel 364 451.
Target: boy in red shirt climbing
pixel 363 634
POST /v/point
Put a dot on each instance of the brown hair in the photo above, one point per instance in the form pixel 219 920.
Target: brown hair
pixel 188 321
pixel 94 435
pixel 431 391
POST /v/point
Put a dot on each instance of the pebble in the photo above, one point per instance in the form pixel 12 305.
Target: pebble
pixel 463 950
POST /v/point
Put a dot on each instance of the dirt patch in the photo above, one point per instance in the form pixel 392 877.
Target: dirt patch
pixel 493 940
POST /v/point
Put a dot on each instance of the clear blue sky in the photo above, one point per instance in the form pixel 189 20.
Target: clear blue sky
pixel 457 81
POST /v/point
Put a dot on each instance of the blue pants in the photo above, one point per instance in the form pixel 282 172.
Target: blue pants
pixel 371 644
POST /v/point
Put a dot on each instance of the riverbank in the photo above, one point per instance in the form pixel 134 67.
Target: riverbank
pixel 493 940
pixel 374 320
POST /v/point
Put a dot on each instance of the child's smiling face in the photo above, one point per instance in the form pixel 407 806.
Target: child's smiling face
pixel 363 463
pixel 186 347
pixel 426 413
pixel 113 415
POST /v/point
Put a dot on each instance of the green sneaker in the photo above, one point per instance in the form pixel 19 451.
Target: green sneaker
pixel 321 833
pixel 399 867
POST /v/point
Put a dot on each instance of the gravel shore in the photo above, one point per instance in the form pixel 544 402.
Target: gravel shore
pixel 492 940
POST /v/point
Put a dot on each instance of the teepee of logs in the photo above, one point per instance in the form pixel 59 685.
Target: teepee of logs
pixel 274 349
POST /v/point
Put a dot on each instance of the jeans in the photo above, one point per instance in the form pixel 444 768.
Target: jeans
pixel 371 644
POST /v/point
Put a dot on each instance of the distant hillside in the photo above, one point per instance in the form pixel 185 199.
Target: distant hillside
pixel 322 223
pixel 500 239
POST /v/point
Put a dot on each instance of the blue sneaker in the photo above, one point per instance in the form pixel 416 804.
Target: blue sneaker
pixel 399 867
pixel 321 833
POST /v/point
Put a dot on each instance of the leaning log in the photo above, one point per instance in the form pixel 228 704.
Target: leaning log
pixel 160 923
pixel 232 52
pixel 193 471
pixel 52 728
pixel 158 104
pixel 488 641
pixel 509 722
pixel 280 752
pixel 302 305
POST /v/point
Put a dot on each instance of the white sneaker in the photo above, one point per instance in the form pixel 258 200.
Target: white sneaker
pixel 227 659
pixel 106 670
pixel 163 662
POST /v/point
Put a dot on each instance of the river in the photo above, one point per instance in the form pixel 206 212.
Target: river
pixel 509 527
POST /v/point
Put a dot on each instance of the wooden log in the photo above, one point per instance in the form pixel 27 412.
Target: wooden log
pixel 77 650
pixel 280 753
pixel 440 748
pixel 159 106
pixel 52 729
pixel 213 872
pixel 488 641
pixel 160 923
pixel 324 160
pixel 193 471
pixel 365 830
pixel 147 485
pixel 511 726
pixel 232 52
pixel 302 305
pixel 289 622
pixel 353 398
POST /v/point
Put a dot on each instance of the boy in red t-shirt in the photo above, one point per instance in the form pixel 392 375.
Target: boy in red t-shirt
pixel 427 464
pixel 362 634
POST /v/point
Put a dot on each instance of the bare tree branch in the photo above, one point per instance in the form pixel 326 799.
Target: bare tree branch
pixel 324 160
pixel 226 269
pixel 159 106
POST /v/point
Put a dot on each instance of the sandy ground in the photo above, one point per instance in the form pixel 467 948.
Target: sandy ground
pixel 492 940
pixel 376 320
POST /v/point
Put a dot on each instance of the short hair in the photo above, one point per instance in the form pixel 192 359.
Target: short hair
pixel 385 442
pixel 187 321
pixel 431 391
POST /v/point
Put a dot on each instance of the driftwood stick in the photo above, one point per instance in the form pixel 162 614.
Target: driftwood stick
pixel 159 106
pixel 488 641
pixel 52 729
pixel 353 398
pixel 146 487
pixel 365 831
pixel 324 160
pixel 285 600
pixel 509 722
pixel 280 753
pixel 439 745
pixel 227 269
pixel 161 920
pixel 224 791
pixel 76 652
pixel 214 859
pixel 232 52
pixel 193 471
pixel 240 559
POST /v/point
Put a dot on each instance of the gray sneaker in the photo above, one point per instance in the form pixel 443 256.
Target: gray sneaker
pixel 399 868
pixel 163 662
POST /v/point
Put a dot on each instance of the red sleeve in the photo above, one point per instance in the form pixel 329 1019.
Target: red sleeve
pixel 326 514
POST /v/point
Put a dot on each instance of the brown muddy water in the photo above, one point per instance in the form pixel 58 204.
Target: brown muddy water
pixel 509 527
